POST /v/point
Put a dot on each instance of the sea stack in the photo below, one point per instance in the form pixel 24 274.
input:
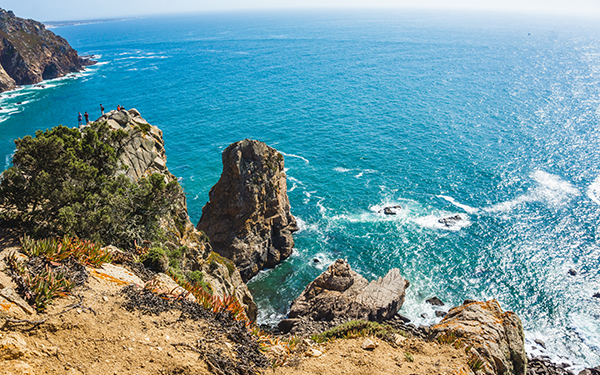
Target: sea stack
pixel 29 53
pixel 248 217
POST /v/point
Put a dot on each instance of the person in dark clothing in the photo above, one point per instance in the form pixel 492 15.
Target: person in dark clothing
pixel 87 117
pixel 101 109
pixel 79 118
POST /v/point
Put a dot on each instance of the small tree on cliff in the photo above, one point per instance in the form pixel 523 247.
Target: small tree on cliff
pixel 66 181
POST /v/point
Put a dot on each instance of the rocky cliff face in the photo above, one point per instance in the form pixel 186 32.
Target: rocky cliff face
pixel 341 294
pixel 29 53
pixel 248 217
pixel 144 154
pixel 495 337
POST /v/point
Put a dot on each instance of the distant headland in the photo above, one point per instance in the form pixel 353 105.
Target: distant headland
pixel 30 54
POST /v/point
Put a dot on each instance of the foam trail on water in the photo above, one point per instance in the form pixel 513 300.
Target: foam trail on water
pixel 341 170
pixel 468 209
pixel 550 189
pixel 294 156
pixel 594 190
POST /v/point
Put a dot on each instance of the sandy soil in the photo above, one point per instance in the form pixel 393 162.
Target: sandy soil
pixel 413 356
pixel 91 332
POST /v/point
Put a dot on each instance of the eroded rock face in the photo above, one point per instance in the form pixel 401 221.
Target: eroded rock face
pixel 144 154
pixel 29 53
pixel 340 293
pixel 143 148
pixel 496 337
pixel 248 217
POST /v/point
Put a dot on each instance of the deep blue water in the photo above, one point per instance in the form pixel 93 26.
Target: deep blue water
pixel 493 117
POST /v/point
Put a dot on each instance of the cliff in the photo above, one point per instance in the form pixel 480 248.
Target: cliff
pixel 248 217
pixel 29 53
pixel 143 154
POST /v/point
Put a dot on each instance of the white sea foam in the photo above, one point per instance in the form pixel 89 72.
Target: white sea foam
pixel 593 190
pixel 468 209
pixel 294 156
pixel 550 189
pixel 341 170
pixel 588 330
pixel 359 175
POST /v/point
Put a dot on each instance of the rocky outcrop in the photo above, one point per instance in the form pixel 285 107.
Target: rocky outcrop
pixel 142 151
pixel 248 217
pixel 341 294
pixel 495 337
pixel 29 53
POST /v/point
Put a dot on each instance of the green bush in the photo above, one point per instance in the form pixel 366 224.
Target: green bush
pixel 67 182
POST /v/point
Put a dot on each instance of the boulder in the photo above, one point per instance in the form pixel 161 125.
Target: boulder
pixel 248 217
pixel 342 294
pixel 435 301
pixel 495 337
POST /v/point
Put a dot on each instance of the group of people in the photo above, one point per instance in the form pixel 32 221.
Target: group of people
pixel 87 116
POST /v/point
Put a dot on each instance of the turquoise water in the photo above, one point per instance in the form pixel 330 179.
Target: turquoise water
pixel 491 117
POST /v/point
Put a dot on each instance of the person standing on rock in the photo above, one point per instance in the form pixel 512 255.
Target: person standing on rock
pixel 79 118
pixel 87 118
pixel 102 109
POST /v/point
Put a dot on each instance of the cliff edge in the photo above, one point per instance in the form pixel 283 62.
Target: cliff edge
pixel 30 54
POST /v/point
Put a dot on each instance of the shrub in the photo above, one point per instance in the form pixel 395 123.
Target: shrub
pixel 67 182
pixel 356 328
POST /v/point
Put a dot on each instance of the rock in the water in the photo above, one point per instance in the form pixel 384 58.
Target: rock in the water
pixel 450 221
pixel 540 343
pixel 248 217
pixel 391 210
pixel 572 272
pixel 341 293
pixel 596 295
pixel 440 314
pixel 494 336
pixel 369 344
pixel 435 301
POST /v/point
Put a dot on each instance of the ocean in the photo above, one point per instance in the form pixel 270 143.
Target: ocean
pixel 492 117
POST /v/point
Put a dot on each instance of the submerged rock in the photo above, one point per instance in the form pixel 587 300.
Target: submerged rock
pixel 341 294
pixel 495 337
pixel 248 217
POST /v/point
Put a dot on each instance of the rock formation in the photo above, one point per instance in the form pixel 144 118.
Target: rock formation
pixel 495 337
pixel 340 293
pixel 248 217
pixel 29 53
pixel 143 153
